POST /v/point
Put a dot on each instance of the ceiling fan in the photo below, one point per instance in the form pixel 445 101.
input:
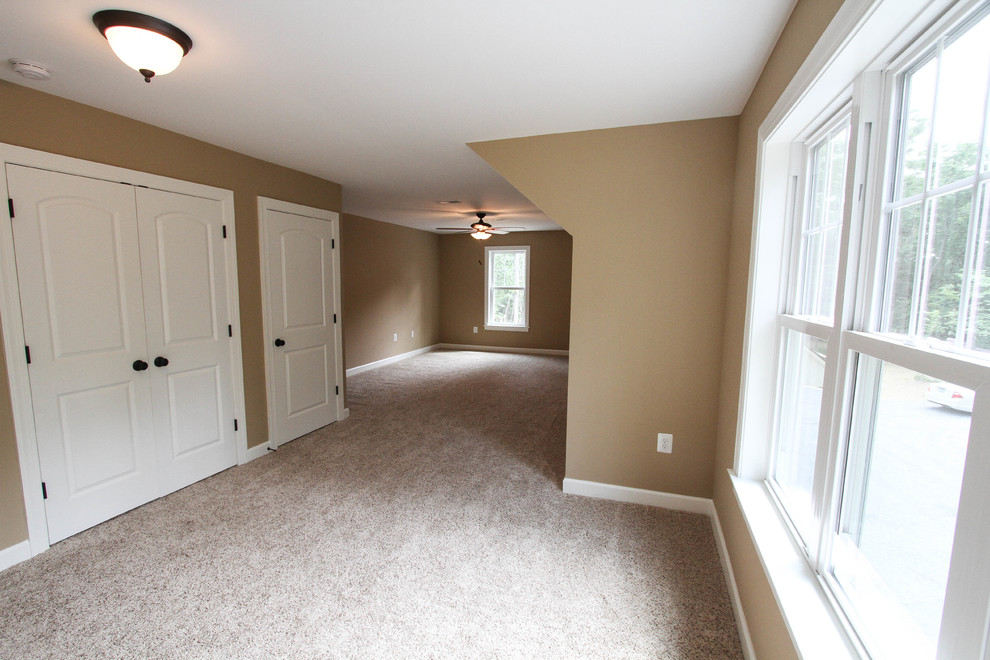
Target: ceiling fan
pixel 481 229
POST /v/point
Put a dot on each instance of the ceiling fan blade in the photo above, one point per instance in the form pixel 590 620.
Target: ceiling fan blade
pixel 461 229
pixel 497 231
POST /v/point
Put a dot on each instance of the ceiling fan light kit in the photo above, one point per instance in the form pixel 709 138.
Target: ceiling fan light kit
pixel 147 44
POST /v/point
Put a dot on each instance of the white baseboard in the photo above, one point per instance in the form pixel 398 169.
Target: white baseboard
pixel 14 555
pixel 638 496
pixel 255 452
pixel 389 360
pixel 347 413
pixel 502 349
pixel 730 580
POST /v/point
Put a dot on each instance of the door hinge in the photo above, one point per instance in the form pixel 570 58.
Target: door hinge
pixel 333 242
pixel 225 231
pixel 338 390
pixel 27 353
pixel 230 331
pixel 44 491
pixel 235 424
pixel 10 207
pixel 335 318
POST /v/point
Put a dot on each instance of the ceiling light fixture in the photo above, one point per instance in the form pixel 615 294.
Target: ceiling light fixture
pixel 146 44
pixel 481 235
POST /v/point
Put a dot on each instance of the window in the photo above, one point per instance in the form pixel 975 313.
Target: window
pixel 866 392
pixel 507 288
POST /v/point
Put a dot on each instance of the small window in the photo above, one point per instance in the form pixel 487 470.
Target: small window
pixel 507 288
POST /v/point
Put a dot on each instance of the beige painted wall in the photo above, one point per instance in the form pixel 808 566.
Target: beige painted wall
pixel 389 285
pixel 649 209
pixel 48 123
pixel 806 24
pixel 462 290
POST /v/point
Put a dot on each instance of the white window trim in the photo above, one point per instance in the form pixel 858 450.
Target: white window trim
pixel 806 603
pixel 489 250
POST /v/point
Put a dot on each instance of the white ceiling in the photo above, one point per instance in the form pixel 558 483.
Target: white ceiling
pixel 382 96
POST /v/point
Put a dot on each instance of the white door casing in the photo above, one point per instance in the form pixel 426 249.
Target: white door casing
pixel 14 344
pixel 301 310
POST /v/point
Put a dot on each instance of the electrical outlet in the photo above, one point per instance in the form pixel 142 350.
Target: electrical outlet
pixel 395 337
pixel 665 443
pixel 475 329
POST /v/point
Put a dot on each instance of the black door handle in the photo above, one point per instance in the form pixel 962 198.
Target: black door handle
pixel 139 365
pixel 161 362
pixel 280 342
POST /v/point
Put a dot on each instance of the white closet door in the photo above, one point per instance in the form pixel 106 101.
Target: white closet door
pixel 185 293
pixel 79 272
pixel 301 304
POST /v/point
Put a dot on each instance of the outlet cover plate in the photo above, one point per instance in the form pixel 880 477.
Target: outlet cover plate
pixel 665 443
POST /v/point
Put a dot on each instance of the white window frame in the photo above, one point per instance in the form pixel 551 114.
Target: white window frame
pixel 490 289
pixel 865 39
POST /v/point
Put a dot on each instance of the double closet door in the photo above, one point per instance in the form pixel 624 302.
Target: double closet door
pixel 124 303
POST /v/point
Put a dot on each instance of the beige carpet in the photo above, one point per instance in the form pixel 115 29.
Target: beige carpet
pixel 430 524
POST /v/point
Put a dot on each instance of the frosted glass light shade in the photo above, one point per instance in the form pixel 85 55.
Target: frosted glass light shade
pixel 144 49
pixel 481 235
pixel 145 43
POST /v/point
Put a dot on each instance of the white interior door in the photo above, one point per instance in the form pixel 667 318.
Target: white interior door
pixel 300 320
pixel 185 293
pixel 79 272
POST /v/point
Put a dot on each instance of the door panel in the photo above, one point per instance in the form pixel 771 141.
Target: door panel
pixel 79 274
pixel 86 313
pixel 184 265
pixel 304 276
pixel 187 276
pixel 306 380
pixel 195 410
pixel 300 311
pixel 98 432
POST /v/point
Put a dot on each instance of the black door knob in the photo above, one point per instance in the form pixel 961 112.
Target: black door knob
pixel 139 365
pixel 161 362
pixel 280 342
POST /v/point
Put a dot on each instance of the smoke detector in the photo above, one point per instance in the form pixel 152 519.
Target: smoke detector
pixel 30 70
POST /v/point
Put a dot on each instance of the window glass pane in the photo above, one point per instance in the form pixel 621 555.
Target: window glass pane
pixel 980 323
pixel 507 306
pixel 919 95
pixel 943 276
pixel 823 224
pixel 905 234
pixel 509 269
pixel 793 471
pixel 961 104
pixel 907 448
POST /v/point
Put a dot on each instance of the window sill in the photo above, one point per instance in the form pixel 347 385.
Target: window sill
pixel 808 613
pixel 508 328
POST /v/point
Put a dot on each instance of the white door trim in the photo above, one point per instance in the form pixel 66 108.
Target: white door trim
pixel 266 204
pixel 12 322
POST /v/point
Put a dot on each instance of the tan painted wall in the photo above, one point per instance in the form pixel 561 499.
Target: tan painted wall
pixel 462 290
pixel 649 209
pixel 48 123
pixel 389 285
pixel 806 24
